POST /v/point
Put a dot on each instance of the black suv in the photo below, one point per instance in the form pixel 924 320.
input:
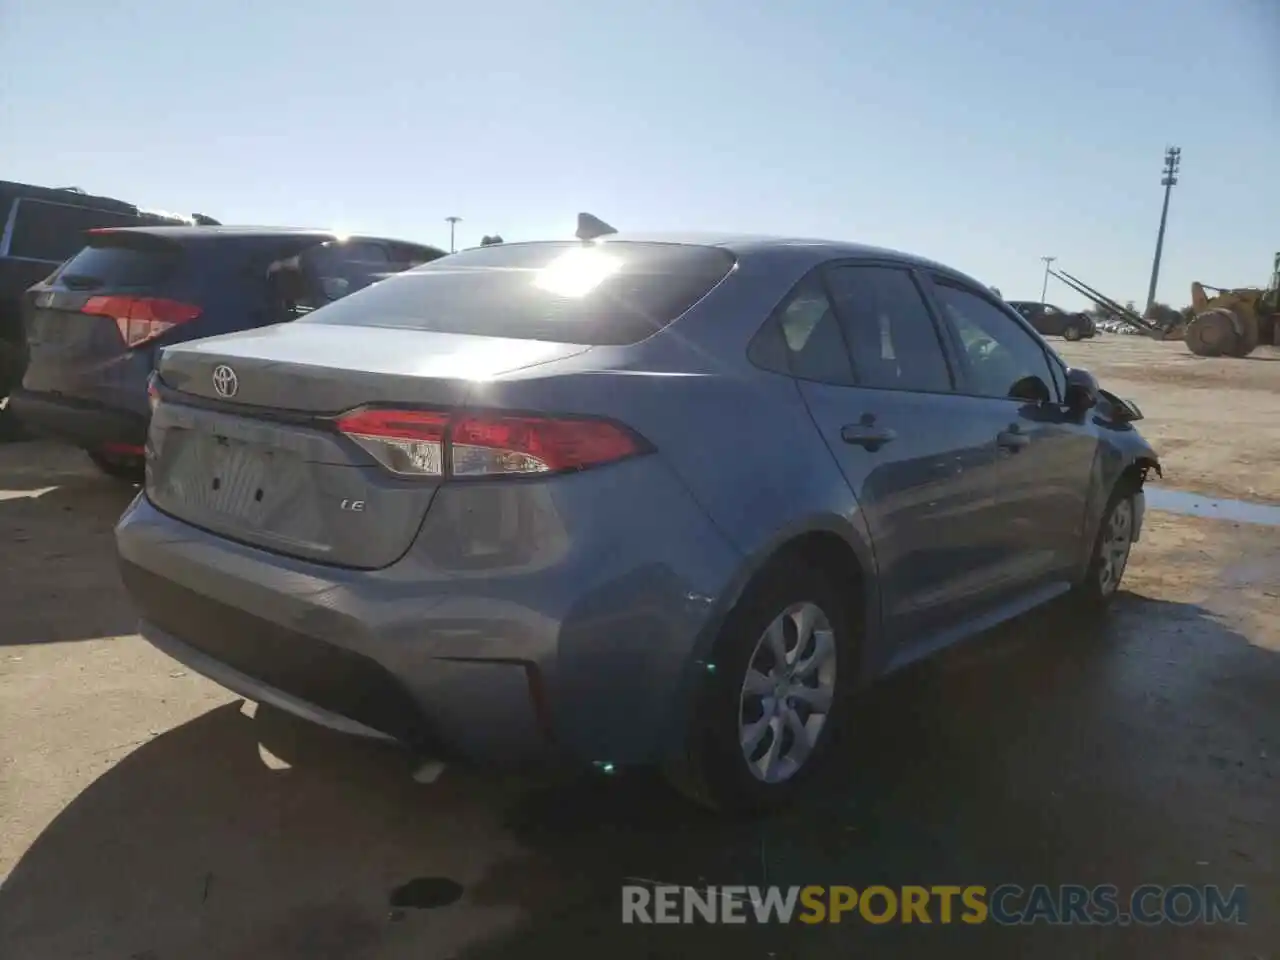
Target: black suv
pixel 1054 321
pixel 94 328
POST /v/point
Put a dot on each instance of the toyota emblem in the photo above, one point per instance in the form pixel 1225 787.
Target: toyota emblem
pixel 225 381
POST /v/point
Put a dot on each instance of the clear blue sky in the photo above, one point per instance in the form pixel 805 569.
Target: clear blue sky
pixel 983 133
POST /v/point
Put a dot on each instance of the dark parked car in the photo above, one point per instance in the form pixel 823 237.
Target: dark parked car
pixel 1054 321
pixel 40 227
pixel 630 501
pixel 95 327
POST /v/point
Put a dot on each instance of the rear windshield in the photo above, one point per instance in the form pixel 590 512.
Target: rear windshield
pixel 115 262
pixel 611 293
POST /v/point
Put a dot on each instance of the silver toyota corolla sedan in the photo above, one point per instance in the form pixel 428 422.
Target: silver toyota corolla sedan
pixel 623 500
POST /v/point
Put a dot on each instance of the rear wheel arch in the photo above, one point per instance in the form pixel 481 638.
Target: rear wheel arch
pixel 828 553
pixel 819 567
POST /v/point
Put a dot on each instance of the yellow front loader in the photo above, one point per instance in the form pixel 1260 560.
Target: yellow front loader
pixel 1232 322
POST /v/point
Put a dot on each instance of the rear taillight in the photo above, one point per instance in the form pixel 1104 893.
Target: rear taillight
pixel 409 442
pixel 424 443
pixel 140 319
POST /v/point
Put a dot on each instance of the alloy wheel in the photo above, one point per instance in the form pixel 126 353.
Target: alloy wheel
pixel 1114 547
pixel 787 693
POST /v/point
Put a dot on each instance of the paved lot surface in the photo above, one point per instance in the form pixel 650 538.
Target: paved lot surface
pixel 147 814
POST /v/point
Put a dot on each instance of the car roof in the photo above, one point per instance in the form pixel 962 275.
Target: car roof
pixel 817 250
pixel 189 234
pixel 69 196
pixel 822 249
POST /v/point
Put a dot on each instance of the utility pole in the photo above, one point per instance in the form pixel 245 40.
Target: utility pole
pixel 453 222
pixel 1044 288
pixel 1172 160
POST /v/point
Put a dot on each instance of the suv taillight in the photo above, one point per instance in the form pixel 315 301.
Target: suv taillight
pixel 424 443
pixel 140 319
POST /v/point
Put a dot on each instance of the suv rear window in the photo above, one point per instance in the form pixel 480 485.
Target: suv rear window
pixel 610 293
pixel 109 262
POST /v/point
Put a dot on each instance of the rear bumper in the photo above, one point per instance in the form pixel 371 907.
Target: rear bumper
pixel 81 422
pixel 584 653
pixel 479 709
pixel 252 687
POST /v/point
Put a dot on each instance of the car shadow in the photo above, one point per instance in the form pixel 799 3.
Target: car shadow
pixel 57 517
pixel 1050 751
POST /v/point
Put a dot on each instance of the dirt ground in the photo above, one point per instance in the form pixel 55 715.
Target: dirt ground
pixel 1215 422
pixel 146 814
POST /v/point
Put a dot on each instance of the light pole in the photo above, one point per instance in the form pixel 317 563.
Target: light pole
pixel 453 222
pixel 1044 288
pixel 1172 160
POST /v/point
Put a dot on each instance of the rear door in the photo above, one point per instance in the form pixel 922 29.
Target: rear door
pixel 1045 453
pixel 88 325
pixel 922 471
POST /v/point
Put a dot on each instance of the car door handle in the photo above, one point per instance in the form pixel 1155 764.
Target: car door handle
pixel 867 435
pixel 1012 439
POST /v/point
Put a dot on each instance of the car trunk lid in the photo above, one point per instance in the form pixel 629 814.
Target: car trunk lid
pixel 321 368
pixel 244 443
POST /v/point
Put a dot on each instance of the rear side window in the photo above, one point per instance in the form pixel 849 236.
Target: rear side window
pixel 810 335
pixel 55 231
pixel 117 264
pixel 891 335
pixel 342 268
pixel 610 293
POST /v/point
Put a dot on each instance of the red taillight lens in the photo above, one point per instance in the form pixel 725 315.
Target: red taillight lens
pixel 414 442
pixel 140 319
pixel 408 442
pixel 483 446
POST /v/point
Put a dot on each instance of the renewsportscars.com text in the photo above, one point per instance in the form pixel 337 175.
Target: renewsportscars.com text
pixel 1007 904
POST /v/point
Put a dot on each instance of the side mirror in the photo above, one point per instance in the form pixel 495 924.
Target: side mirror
pixel 1031 389
pixel 1082 390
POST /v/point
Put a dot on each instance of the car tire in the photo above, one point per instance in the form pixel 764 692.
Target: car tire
pixel 1110 555
pixel 1072 332
pixel 743 752
pixel 127 469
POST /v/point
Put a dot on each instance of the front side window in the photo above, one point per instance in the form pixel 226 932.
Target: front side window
pixel 1000 355
pixel 891 335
